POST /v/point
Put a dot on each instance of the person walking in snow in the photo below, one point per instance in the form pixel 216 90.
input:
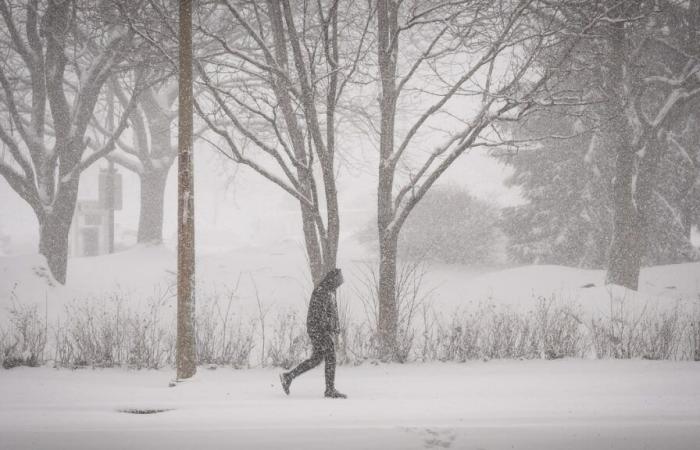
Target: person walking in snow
pixel 321 325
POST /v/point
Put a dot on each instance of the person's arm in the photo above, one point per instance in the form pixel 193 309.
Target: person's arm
pixel 333 322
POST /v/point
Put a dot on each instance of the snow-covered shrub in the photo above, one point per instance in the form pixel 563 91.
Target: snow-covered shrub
pixel 487 331
pixel 459 340
pixel 695 339
pixel 426 348
pixel 661 338
pixel 555 329
pixel 149 344
pixel 559 330
pixel 411 293
pixel 100 332
pixel 92 333
pixel 343 342
pixel 221 340
pixel 635 331
pixel 3 344
pixel 358 344
pixel 23 343
pixel 289 344
pixel 117 331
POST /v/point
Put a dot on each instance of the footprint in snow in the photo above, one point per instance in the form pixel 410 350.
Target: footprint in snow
pixel 439 439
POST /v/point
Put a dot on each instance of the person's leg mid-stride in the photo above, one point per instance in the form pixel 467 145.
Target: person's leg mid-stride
pixel 323 350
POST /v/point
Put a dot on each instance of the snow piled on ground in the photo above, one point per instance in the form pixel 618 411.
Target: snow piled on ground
pixel 277 276
pixel 538 404
pixel 572 404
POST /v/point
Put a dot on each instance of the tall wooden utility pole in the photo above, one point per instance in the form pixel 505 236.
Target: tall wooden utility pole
pixel 185 352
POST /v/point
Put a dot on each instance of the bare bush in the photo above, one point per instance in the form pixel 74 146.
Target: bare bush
pixel 641 332
pixel 560 332
pixel 486 331
pixel 4 344
pixel 695 338
pixel 221 340
pixel 92 335
pixel 460 339
pixel 107 333
pixel 356 341
pixel 23 343
pixel 148 342
pixel 289 342
pixel 411 294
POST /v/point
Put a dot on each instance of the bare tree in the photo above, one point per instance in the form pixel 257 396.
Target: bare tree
pixel 274 77
pixel 474 64
pixel 151 153
pixel 51 76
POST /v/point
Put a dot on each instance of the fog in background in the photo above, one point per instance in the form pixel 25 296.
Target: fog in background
pixel 236 208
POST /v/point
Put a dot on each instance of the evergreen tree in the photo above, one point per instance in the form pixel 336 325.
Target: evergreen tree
pixel 566 183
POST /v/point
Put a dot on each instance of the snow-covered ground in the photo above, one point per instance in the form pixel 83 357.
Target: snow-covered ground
pixel 249 282
pixel 565 404
pixel 278 276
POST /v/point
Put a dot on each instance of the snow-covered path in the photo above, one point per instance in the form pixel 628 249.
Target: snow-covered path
pixel 572 404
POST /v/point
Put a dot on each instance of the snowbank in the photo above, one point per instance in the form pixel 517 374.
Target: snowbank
pixel 278 276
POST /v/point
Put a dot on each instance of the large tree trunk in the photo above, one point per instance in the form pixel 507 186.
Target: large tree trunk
pixel 53 244
pixel 387 29
pixel 633 190
pixel 54 227
pixel 283 89
pixel 388 242
pixel 388 314
pixel 313 248
pixel 151 212
pixel 157 160
pixel 626 247
pixel 624 257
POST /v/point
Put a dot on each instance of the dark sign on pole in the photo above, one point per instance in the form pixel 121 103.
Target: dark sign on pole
pixel 110 200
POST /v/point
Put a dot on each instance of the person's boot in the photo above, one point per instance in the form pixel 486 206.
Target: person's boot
pixel 333 393
pixel 286 381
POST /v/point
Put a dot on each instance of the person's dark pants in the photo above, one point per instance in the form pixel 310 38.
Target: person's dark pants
pixel 323 349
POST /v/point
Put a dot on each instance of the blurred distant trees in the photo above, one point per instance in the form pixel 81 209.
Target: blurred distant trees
pixel 451 226
pixel 151 152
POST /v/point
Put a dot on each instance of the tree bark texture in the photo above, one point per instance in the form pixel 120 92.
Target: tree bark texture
pixel 186 350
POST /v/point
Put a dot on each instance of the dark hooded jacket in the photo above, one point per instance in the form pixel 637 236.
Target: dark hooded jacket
pixel 322 318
